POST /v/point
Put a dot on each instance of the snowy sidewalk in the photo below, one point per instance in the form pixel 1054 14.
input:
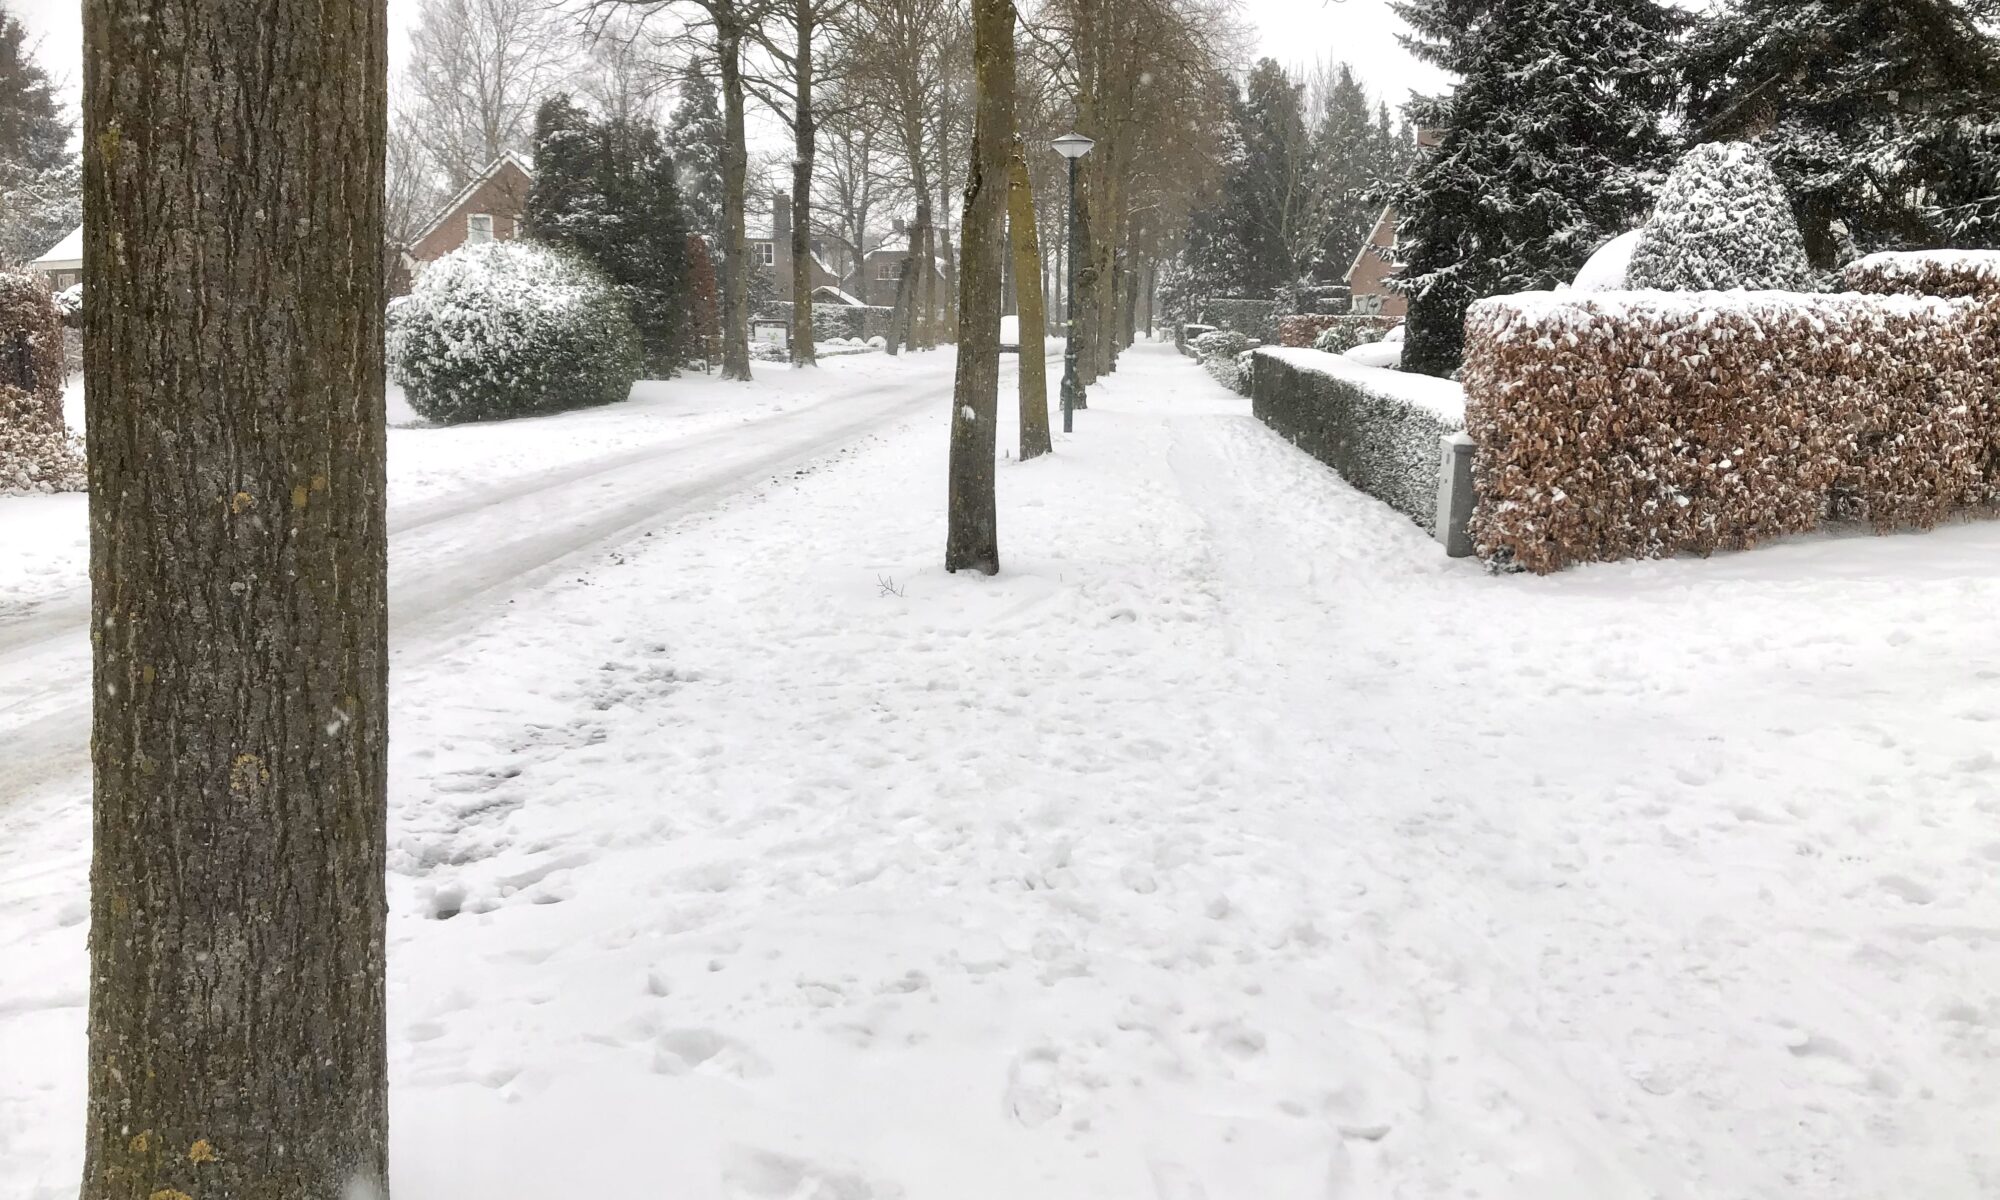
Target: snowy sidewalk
pixel 1232 844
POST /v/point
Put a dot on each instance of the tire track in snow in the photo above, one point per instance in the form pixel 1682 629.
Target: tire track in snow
pixel 448 558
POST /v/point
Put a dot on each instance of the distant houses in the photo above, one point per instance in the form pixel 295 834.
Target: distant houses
pixel 63 264
pixel 1374 265
pixel 488 209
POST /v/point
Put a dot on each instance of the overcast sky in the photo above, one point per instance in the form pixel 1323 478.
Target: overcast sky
pixel 1295 32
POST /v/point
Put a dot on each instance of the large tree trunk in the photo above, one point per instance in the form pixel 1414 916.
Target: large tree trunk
pixel 928 281
pixel 803 132
pixel 233 155
pixel 972 539
pixel 1034 388
pixel 735 164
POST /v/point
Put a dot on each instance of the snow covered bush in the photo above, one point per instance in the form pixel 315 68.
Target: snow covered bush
pixel 1301 330
pixel 508 329
pixel 1349 332
pixel 36 452
pixel 1927 273
pixel 1607 269
pixel 1378 429
pixel 1252 318
pixel 1646 424
pixel 1217 351
pixel 69 304
pixel 1723 222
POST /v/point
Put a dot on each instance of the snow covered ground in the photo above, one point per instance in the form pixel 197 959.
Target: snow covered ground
pixel 1231 844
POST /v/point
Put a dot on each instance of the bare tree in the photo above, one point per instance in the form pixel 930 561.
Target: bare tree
pixel 626 76
pixel 233 158
pixel 792 42
pixel 972 540
pixel 851 184
pixel 477 70
pixel 1034 386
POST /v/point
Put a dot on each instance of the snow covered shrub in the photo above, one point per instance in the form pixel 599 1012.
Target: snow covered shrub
pixel 1348 332
pixel 1302 330
pixel 1252 318
pixel 1641 425
pixel 1378 429
pixel 1723 222
pixel 69 304
pixel 508 329
pixel 1927 273
pixel 1217 351
pixel 36 452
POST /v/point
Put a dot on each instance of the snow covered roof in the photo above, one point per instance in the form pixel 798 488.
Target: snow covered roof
pixel 64 255
pixel 839 295
pixel 465 193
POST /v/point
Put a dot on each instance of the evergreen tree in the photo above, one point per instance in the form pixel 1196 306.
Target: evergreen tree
pixel 1878 115
pixel 41 183
pixel 607 189
pixel 1548 149
pixel 1722 222
pixel 33 134
pixel 1273 190
pixel 694 135
pixel 1349 157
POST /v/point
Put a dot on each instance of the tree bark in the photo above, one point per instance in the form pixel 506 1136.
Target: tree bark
pixel 972 539
pixel 803 133
pixel 233 154
pixel 735 165
pixel 1034 390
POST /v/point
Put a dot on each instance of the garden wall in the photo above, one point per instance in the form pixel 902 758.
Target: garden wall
pixel 1379 429
pixel 1645 424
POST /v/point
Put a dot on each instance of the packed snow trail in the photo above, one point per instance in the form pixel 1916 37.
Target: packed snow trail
pixel 448 551
pixel 1232 843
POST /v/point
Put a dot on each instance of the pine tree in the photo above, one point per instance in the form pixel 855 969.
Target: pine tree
pixel 606 188
pixel 1348 159
pixel 1273 192
pixel 41 183
pixel 694 136
pixel 1722 222
pixel 1548 149
pixel 1878 115
pixel 34 136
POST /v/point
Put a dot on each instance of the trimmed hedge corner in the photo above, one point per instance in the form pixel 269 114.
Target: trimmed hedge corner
pixel 1647 424
pixel 1956 273
pixel 1379 429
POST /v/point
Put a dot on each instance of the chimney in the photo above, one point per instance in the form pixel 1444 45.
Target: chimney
pixel 781 218
pixel 896 226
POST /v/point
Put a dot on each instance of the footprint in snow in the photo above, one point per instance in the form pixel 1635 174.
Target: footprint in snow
pixel 749 1174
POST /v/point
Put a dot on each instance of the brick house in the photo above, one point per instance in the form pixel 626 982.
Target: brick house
pixel 486 210
pixel 1368 278
pixel 882 267
pixel 768 238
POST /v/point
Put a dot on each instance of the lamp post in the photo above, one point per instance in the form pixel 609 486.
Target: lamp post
pixel 1072 146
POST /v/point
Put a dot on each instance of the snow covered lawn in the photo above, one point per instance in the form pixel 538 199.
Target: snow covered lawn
pixel 1232 844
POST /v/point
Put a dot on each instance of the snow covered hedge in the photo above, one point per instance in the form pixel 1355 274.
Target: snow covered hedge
pixel 1646 424
pixel 508 329
pixel 37 453
pixel 1219 351
pixel 1723 221
pixel 1301 330
pixel 1379 429
pixel 1252 318
pixel 832 321
pixel 1927 273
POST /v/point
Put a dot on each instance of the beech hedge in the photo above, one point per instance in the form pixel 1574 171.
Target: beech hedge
pixel 37 453
pixel 1646 424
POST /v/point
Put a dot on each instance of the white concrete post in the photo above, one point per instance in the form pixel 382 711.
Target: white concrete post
pixel 1454 502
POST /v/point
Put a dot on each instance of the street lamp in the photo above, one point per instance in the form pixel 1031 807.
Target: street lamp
pixel 1072 146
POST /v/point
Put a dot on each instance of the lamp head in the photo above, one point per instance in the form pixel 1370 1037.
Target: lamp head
pixel 1072 145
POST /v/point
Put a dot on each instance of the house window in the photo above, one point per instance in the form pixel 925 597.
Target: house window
pixel 767 251
pixel 478 228
pixel 889 269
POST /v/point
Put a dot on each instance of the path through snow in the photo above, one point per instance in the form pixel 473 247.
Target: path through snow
pixel 1231 844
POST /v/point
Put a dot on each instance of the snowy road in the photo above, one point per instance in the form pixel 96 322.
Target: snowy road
pixel 452 552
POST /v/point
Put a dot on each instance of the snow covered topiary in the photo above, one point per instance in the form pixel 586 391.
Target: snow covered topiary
pixel 1607 269
pixel 508 329
pixel 1722 223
